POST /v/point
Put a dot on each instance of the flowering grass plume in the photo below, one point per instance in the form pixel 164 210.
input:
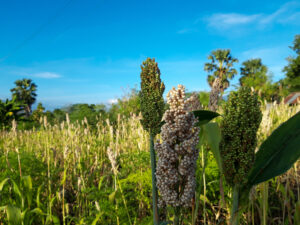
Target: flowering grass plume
pixel 177 153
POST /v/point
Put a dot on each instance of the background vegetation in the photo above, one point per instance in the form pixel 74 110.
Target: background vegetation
pixel 89 164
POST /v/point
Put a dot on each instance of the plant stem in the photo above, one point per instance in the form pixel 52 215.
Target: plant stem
pixel 154 188
pixel 204 183
pixel 176 216
pixel 234 220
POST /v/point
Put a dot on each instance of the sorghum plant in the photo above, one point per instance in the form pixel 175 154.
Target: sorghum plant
pixel 242 117
pixel 242 167
pixel 151 96
pixel 152 107
pixel 177 153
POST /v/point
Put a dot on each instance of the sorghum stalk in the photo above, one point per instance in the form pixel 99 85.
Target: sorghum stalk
pixel 152 108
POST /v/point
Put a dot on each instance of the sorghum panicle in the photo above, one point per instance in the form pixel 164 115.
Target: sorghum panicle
pixel 177 154
pixel 242 117
pixel 151 96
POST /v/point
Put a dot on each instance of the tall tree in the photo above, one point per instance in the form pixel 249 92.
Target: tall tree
pixel 25 93
pixel 220 71
pixel 254 74
pixel 254 69
pixel 292 70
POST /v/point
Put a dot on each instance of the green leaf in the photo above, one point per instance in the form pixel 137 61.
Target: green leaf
pixel 14 215
pixel 278 153
pixel 100 182
pixel 28 187
pixel 53 219
pixel 27 182
pixel 16 189
pixel 212 135
pixel 111 197
pixel 64 177
pixel 38 211
pixel 97 218
pixel 3 183
pixel 204 116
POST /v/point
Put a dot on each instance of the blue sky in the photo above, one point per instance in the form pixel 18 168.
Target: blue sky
pixel 90 51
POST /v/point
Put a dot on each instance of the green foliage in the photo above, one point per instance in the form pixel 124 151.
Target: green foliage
pixel 278 153
pixel 242 117
pixel 204 98
pixel 20 208
pixel 212 136
pixel 77 112
pixel 292 70
pixel 125 107
pixel 10 110
pixel 38 113
pixel 221 66
pixel 204 116
pixel 151 96
pixel 25 93
pixel 254 74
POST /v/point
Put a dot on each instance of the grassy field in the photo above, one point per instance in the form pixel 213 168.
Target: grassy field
pixel 76 174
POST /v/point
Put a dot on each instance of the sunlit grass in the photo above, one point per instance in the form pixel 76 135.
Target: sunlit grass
pixel 74 180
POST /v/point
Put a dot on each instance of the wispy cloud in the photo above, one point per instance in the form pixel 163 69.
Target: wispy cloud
pixel 230 19
pixel 46 75
pixel 285 14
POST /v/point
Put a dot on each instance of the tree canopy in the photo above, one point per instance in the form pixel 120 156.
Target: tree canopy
pixel 25 93
pixel 292 70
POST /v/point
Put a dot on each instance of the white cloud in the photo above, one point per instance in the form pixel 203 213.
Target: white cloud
pixel 281 13
pixel 286 14
pixel 46 75
pixel 112 101
pixel 230 19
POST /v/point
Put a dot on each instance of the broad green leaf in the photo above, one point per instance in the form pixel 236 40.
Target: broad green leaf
pixel 212 135
pixel 14 215
pixel 27 182
pixel 16 189
pixel 278 153
pixel 38 211
pixel 204 116
pixel 3 183
pixel 28 187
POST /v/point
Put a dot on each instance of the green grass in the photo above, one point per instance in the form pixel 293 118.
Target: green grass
pixel 73 181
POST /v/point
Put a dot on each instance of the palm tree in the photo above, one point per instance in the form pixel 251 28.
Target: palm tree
pixel 220 71
pixel 25 93
pixel 9 110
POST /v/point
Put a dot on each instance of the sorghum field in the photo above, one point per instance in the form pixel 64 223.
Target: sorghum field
pixel 74 174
